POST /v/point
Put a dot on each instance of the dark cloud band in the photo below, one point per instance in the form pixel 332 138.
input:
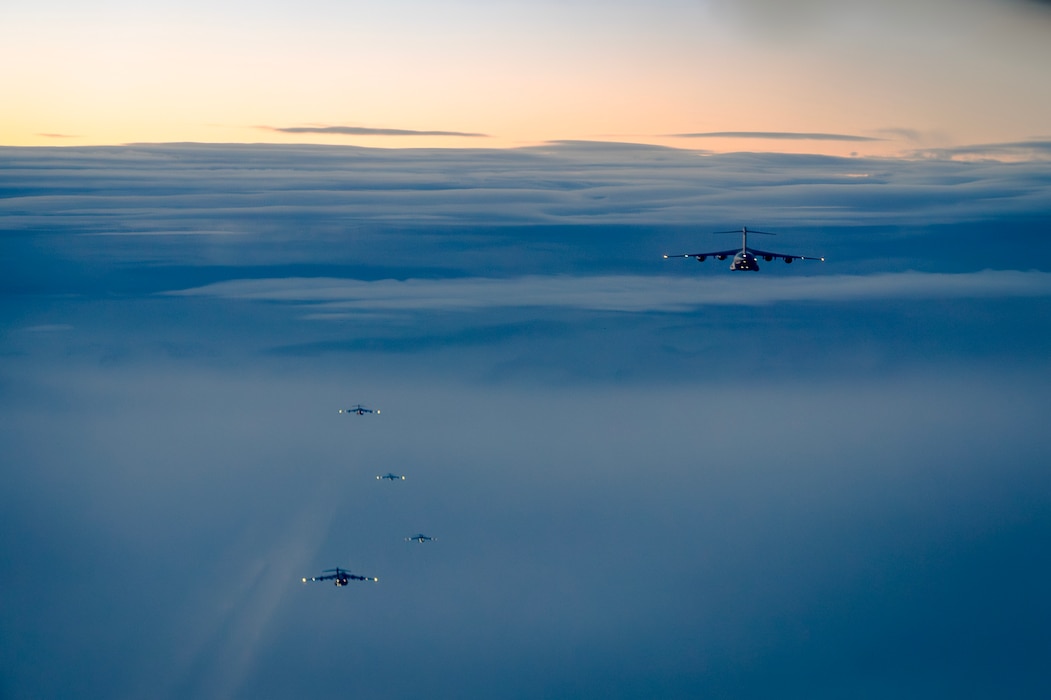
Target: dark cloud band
pixel 1037 149
pixel 777 135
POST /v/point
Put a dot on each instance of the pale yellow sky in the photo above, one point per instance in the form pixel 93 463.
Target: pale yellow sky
pixel 904 75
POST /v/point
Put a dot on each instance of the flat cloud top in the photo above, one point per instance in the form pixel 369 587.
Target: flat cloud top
pixel 873 444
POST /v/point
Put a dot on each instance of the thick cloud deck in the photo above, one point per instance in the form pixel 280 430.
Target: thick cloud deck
pixel 646 477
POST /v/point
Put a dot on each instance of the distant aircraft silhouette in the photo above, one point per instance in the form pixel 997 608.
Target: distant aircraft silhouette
pixel 421 538
pixel 392 477
pixel 359 409
pixel 341 577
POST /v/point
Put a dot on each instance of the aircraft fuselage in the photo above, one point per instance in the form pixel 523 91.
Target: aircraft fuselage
pixel 745 261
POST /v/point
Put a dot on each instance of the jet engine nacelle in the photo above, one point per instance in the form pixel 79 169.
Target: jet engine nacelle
pixel 700 258
pixel 720 257
pixel 788 260
pixel 768 258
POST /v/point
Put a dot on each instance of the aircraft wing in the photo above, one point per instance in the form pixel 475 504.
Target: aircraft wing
pixel 727 253
pixel 322 578
pixel 782 256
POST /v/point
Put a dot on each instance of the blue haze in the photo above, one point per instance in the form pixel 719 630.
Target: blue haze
pixel 647 477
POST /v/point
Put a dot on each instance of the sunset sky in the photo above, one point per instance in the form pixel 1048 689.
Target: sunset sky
pixel 220 223
pixel 867 78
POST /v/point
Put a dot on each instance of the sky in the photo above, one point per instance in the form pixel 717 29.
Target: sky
pixel 884 78
pixel 646 477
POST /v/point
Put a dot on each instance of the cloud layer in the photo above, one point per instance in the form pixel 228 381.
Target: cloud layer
pixel 646 476
pixel 562 208
pixel 623 294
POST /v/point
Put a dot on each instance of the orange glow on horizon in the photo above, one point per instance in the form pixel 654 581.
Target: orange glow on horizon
pixel 625 73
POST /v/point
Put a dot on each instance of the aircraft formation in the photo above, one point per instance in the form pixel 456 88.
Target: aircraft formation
pixel 745 258
pixel 339 575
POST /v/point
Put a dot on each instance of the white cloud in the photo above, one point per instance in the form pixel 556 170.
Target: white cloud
pixel 335 298
pixel 48 328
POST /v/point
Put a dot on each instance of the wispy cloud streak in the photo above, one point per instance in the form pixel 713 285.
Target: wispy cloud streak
pixel 629 294
pixel 365 131
pixel 777 135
